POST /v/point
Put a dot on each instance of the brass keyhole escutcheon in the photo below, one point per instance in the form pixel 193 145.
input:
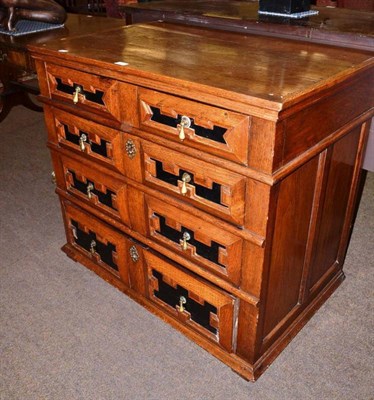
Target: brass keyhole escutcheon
pixel 186 178
pixel 182 301
pixel 185 123
pixel 90 188
pixel 130 149
pixel 92 247
pixel 82 141
pixel 134 254
pixel 77 91
pixel 185 238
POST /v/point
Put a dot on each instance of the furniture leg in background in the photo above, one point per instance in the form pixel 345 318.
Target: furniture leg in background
pixel 15 88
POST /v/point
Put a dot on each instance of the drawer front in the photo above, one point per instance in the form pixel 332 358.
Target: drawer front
pixel 106 193
pixel 218 131
pixel 93 92
pixel 94 141
pixel 197 240
pixel 202 307
pixel 208 187
pixel 97 241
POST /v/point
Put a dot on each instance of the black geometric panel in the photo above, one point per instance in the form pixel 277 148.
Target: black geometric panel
pixel 215 134
pixel 96 148
pixel 104 198
pixel 169 295
pixel 104 250
pixel 209 253
pixel 213 194
pixel 96 97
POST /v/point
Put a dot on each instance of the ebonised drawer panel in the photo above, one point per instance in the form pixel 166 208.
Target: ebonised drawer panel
pixel 211 188
pixel 197 304
pixel 93 93
pixel 86 183
pixel 97 241
pixel 96 142
pixel 215 130
pixel 201 242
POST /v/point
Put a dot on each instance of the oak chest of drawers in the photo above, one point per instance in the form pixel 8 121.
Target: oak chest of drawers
pixel 210 176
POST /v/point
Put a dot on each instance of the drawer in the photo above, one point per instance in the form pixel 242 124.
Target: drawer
pixel 97 241
pixel 197 240
pixel 85 182
pixel 218 131
pixel 195 303
pixel 93 93
pixel 208 187
pixel 96 142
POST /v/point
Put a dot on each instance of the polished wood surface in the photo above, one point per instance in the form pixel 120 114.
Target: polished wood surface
pixel 235 247
pixel 17 70
pixel 75 26
pixel 342 27
pixel 336 26
pixel 223 62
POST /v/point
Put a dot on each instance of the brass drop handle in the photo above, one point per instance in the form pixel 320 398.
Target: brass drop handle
pixel 53 177
pixel 77 91
pixel 74 232
pixel 185 123
pixel 186 178
pixel 182 301
pixel 183 242
pixel 90 188
pixel 82 141
pixel 92 247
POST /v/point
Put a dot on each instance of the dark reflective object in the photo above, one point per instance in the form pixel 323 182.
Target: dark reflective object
pixel 284 6
pixel 38 10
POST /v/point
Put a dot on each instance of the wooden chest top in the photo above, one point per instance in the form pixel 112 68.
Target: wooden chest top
pixel 268 72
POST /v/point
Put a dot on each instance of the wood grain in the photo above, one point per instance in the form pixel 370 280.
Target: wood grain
pixel 266 250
